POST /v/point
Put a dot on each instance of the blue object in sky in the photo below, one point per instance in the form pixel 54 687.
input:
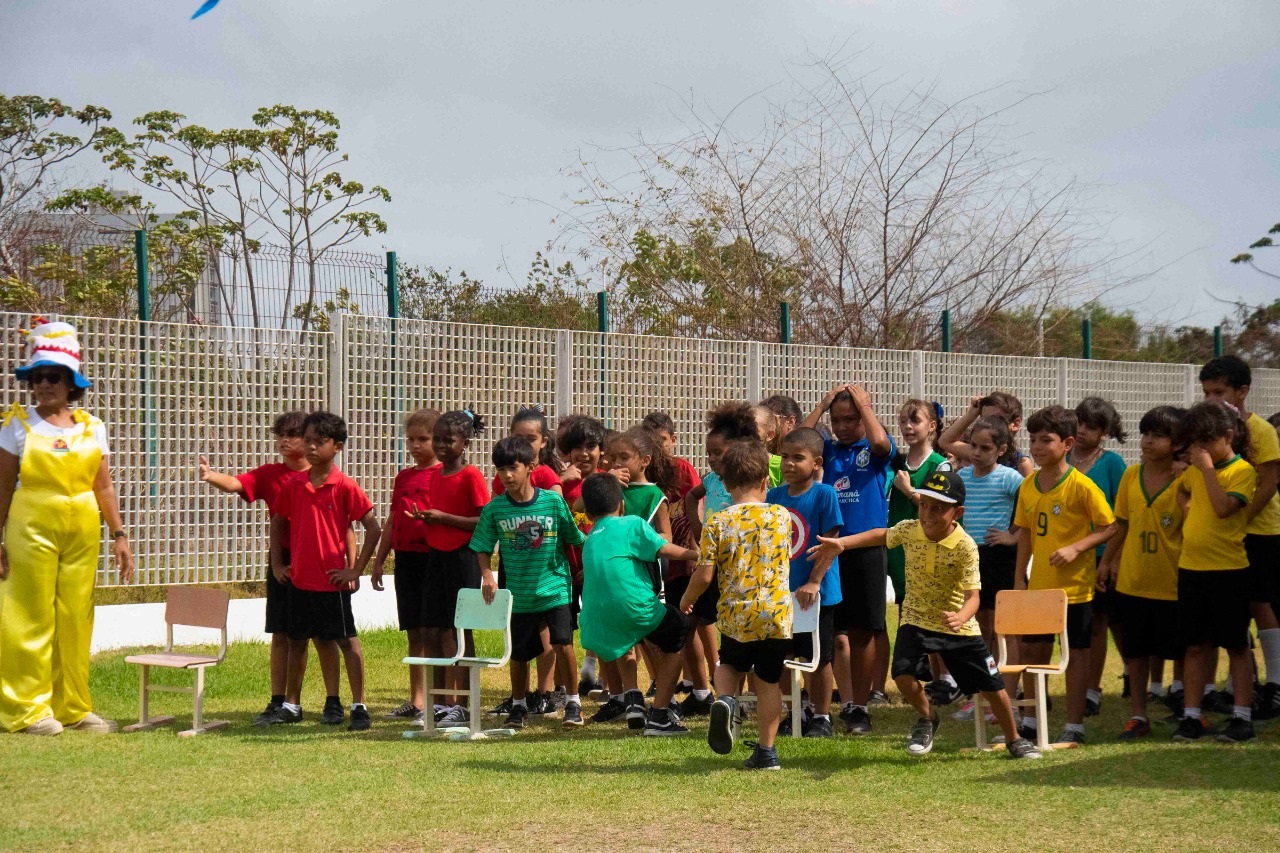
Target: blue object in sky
pixel 208 4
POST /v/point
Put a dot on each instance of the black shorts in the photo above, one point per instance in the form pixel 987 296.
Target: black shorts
pixel 995 569
pixel 411 579
pixel 1213 608
pixel 1150 627
pixel 1079 627
pixel 706 608
pixel 320 615
pixel 863 572
pixel 967 658
pixel 277 600
pixel 671 632
pixel 1104 605
pixel 802 644
pixel 765 657
pixel 673 590
pixel 1264 568
pixel 526 631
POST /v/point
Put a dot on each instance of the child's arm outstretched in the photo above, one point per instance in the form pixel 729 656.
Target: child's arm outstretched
pixel 435 516
pixel 221 482
pixel 955 621
pixel 678 552
pixel 1223 504
pixel 830 548
pixel 807 593
pixel 951 439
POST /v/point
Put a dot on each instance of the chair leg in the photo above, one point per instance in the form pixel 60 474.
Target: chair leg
pixel 198 723
pixel 145 720
pixel 473 699
pixel 1042 712
pixel 428 701
pixel 796 710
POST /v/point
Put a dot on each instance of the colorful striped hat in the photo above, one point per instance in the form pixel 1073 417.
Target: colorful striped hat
pixel 53 344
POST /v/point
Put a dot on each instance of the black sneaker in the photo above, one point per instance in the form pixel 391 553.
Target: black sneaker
pixel 540 703
pixel 943 693
pixel 1237 730
pixel 572 714
pixel 921 740
pixel 333 714
pixel 1218 702
pixel 652 691
pixel 1173 700
pixel 585 686
pixel 819 727
pixel 762 759
pixel 1266 702
pixel 1027 733
pixel 636 713
pixel 610 711
pixel 664 724
pixel 1069 736
pixel 268 715
pixel 878 697
pixel 280 716
pixel 518 718
pixel 359 719
pixel 683 686
pixel 856 720
pixel 784 724
pixel 720 732
pixel 692 706
pixel 406 711
pixel 1092 707
pixel 1022 748
pixel 1191 729
pixel 504 707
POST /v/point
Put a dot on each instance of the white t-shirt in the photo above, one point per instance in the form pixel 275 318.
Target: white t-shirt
pixel 13 437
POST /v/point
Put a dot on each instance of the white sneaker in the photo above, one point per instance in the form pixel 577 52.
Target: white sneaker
pixel 965 714
pixel 91 722
pixel 46 726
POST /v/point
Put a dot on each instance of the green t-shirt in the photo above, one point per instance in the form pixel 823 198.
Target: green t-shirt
pixel 775 470
pixel 531 538
pixel 619 606
pixel 642 499
pixel 900 506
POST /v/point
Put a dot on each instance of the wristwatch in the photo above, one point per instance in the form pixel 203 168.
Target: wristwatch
pixel 119 534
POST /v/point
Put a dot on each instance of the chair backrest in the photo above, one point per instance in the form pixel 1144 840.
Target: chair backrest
pixel 473 614
pixel 804 621
pixel 1028 611
pixel 197 606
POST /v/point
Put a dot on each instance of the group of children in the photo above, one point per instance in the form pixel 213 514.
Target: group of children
pixel 699 576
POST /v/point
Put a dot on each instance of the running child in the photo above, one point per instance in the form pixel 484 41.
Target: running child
pixel 531 528
pixel 997 404
pixel 1061 518
pixel 1214 586
pixel 918 425
pixel 1228 378
pixel 857 464
pixel 312 519
pixel 746 547
pixel 815 511
pixel 619 607
pixel 1141 561
pixel 1096 421
pixel 937 614
pixel 264 484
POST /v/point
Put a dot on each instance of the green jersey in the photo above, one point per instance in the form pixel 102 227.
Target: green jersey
pixel 531 539
pixel 619 606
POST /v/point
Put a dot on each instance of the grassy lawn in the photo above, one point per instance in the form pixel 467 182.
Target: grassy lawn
pixel 311 787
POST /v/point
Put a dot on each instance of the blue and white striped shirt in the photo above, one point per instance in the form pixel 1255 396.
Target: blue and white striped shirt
pixel 989 500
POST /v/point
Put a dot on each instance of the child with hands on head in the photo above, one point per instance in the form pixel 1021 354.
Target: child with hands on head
pixel 997 404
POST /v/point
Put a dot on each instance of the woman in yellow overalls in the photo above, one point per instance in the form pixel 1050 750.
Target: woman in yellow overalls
pixel 54 484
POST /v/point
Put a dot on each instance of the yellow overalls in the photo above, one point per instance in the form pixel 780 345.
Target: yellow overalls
pixel 46 606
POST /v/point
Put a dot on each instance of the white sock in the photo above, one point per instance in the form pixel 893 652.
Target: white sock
pixel 589 668
pixel 519 703
pixel 1175 686
pixel 1095 695
pixel 1242 712
pixel 1140 717
pixel 1270 642
pixel 1076 727
pixel 573 698
pixel 700 694
pixel 1209 688
pixel 355 705
pixel 294 708
pixel 1191 713
pixel 1156 688
pixel 826 717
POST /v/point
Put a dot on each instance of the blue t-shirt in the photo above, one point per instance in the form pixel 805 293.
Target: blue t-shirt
pixel 861 481
pixel 1106 472
pixel 717 497
pixel 989 501
pixel 812 513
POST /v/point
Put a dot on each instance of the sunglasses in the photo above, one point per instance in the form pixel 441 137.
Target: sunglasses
pixel 51 377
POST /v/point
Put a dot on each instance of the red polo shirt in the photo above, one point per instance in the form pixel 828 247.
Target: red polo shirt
pixel 411 491
pixel 319 519
pixel 462 493
pixel 265 482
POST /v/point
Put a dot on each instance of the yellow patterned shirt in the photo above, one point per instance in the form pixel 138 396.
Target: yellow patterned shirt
pixel 938 575
pixel 750 546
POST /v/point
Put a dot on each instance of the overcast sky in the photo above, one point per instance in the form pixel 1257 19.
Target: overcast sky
pixel 464 110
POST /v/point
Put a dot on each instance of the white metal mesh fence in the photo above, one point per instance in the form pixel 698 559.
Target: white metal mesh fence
pixel 216 390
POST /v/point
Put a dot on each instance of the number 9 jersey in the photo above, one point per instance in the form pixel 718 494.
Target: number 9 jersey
pixel 1059 517
pixel 1149 562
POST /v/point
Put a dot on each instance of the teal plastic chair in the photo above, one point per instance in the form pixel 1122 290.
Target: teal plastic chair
pixel 470 614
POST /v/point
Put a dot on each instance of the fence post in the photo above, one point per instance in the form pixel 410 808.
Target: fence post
pixel 946 330
pixel 784 322
pixel 754 369
pixel 393 312
pixel 1062 382
pixel 917 374
pixel 602 354
pixel 1217 341
pixel 142 265
pixel 564 373
pixel 1086 338
pixel 337 402
pixel 1192 389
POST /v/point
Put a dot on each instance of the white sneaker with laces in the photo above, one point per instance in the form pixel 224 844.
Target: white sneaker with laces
pixel 91 722
pixel 46 726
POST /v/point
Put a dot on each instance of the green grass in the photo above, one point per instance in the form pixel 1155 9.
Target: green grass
pixel 311 787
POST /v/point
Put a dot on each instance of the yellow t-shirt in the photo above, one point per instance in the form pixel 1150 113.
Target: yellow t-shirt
pixel 1149 562
pixel 1264 446
pixel 1062 516
pixel 1210 543
pixel 938 575
pixel 750 545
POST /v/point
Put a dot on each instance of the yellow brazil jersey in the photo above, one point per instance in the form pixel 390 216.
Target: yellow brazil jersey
pixel 1149 562
pixel 1059 517
pixel 1210 543
pixel 1264 446
pixel 938 575
pixel 750 545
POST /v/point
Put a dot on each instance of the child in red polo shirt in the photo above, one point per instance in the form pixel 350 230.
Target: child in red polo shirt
pixel 264 484
pixel 313 515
